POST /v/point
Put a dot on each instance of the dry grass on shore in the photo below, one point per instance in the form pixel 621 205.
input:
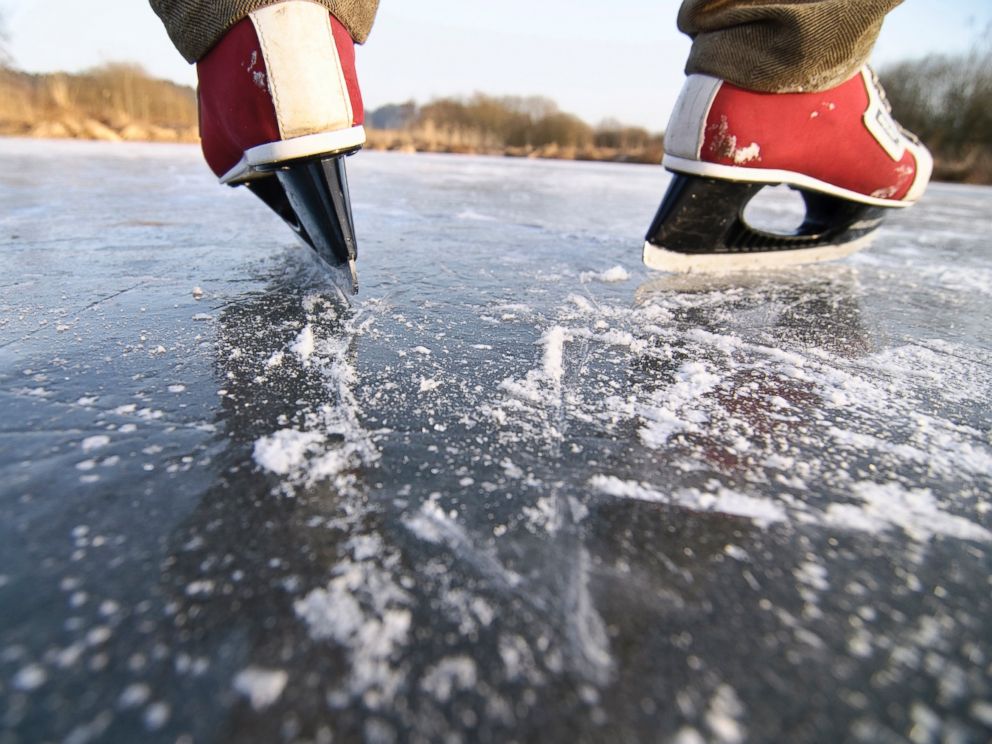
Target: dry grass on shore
pixel 111 103
pixel 943 99
pixel 432 140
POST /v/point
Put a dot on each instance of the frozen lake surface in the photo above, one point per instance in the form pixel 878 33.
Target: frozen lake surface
pixel 519 489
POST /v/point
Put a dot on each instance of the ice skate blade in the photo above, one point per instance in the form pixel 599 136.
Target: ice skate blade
pixel 700 226
pixel 312 197
pixel 270 191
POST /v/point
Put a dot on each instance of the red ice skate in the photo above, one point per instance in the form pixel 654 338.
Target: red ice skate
pixel 840 148
pixel 279 109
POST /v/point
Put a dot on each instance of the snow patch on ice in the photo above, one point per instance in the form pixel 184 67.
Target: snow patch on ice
pixel 875 509
pixel 156 716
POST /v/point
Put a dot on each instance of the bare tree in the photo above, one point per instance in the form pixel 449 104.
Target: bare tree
pixel 947 101
pixel 5 58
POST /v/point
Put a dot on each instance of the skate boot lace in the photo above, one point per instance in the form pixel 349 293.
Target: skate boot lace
pixel 883 97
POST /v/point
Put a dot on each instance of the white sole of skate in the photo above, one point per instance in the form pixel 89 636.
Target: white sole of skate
pixel 674 262
pixel 258 160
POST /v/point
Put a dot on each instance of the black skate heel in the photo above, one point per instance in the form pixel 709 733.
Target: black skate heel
pixel 311 195
pixel 700 226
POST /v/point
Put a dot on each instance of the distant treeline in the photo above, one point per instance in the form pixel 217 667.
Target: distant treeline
pixel 947 102
pixel 112 102
pixel 521 126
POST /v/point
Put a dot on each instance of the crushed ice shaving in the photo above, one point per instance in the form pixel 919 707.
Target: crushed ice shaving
pixel 675 409
pixel 261 686
pixel 882 507
pixel 95 442
pixel 30 678
pixel 364 610
pixel 449 676
pixel 542 386
pixel 428 385
pixel 329 441
pixel 761 511
pixel 876 509
pixel 554 351
pixel 540 391
pixel 304 344
pixel 723 400
pixel 432 524
pixel 285 450
pixel 610 276
pixel 723 717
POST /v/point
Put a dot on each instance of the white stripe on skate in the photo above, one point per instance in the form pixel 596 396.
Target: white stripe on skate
pixel 687 124
pixel 305 78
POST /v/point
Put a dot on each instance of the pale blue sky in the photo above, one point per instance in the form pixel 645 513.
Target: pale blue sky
pixel 621 59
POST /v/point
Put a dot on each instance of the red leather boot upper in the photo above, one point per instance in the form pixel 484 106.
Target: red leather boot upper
pixel 821 135
pixel 236 109
pixel 842 141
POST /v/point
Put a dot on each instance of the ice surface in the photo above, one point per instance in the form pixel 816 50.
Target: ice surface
pixel 518 489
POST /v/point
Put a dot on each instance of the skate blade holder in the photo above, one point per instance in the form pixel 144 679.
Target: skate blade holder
pixel 311 195
pixel 700 226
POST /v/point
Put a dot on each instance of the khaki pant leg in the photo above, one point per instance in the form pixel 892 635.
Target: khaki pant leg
pixel 196 25
pixel 783 46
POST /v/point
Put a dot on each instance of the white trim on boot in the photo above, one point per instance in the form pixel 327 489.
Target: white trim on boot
pixel 312 145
